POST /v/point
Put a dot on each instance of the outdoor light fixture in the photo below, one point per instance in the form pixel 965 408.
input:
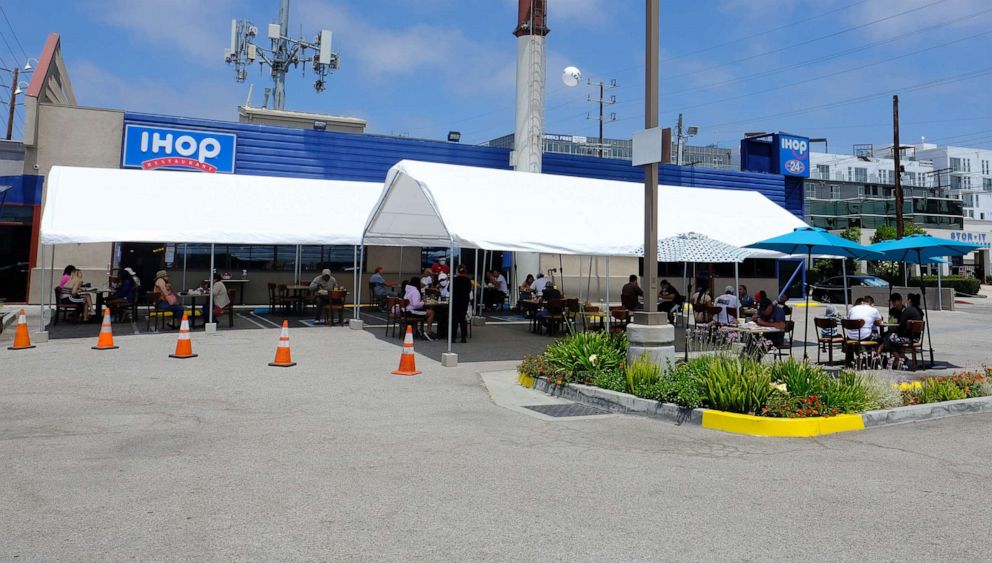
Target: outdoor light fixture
pixel 454 136
pixel 691 131
pixel 320 126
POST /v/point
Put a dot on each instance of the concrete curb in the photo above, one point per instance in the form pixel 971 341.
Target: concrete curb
pixel 624 403
pixel 931 411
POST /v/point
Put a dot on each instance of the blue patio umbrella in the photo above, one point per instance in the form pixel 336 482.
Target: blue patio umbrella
pixel 922 249
pixel 810 241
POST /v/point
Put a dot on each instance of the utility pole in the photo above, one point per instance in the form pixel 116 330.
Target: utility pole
pixel 603 101
pixel 896 157
pixel 652 17
pixel 13 102
pixel 678 146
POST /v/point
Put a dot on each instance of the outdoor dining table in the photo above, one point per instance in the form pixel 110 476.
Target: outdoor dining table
pixel 299 294
pixel 99 297
pixel 192 297
pixel 238 283
pixel 440 309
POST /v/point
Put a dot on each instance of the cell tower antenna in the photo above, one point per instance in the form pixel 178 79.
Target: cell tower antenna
pixel 282 53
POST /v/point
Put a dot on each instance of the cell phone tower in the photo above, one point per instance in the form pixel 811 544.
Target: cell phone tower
pixel 282 54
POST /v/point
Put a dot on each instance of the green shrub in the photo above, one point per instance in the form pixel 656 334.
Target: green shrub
pixel 935 390
pixel 583 354
pixel 643 376
pixel 531 366
pixel 735 385
pixel 963 284
pixel 850 392
pixel 801 379
pixel 684 388
pixel 612 379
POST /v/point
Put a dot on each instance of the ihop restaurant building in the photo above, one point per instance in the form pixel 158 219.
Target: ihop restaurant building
pixel 60 133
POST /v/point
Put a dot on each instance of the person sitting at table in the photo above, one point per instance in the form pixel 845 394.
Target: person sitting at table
pixel 427 280
pixel 415 306
pixel 440 266
pixel 73 292
pixel 125 291
pixel 496 290
pixel 549 294
pixel 319 288
pixel 165 299
pixel 526 289
pixel 66 275
pixel 668 295
pixel 727 301
pixel 442 285
pixel 380 287
pixel 771 315
pixel 540 284
pixel 461 294
pixel 221 300
pixel 701 300
pixel 631 293
pixel 744 298
pixel 863 311
pixel 902 336
pixel 830 332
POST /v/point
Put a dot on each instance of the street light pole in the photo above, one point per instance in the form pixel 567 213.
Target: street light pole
pixel 651 170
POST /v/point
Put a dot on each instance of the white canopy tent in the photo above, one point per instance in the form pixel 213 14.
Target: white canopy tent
pixel 429 204
pixel 86 205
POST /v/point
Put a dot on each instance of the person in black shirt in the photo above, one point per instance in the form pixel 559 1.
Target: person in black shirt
pixel 903 335
pixel 630 294
pixel 461 291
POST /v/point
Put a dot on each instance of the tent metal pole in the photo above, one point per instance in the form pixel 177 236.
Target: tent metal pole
pixel 400 273
pixel 358 290
pixel 737 286
pixel 210 313
pixel 41 296
pixel 186 253
pixel 354 276
pixel 51 281
pixel 475 289
pixel 561 272
pixel 607 284
pixel 843 268
pixel 589 282
pixel 451 261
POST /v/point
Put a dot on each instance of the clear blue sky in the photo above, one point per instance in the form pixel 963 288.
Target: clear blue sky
pixel 823 68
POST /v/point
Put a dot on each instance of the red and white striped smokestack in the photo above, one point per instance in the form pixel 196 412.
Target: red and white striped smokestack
pixel 528 140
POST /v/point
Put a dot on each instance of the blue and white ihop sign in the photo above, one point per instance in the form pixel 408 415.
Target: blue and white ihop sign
pixel 178 149
pixel 793 155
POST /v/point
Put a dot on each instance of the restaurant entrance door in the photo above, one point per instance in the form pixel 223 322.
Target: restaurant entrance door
pixel 144 258
pixel 15 253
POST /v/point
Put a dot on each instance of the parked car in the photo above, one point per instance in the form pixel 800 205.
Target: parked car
pixel 831 290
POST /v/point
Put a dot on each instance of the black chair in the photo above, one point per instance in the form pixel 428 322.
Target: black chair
pixel 64 306
pixel 827 343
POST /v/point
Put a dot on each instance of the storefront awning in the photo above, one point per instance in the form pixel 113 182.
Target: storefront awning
pixel 429 204
pixel 110 205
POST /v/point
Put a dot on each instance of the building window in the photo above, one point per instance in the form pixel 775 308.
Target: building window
pixel 860 174
pixel 823 171
pixel 834 192
pixel 955 165
pixel 987 184
pixel 985 167
pixel 810 191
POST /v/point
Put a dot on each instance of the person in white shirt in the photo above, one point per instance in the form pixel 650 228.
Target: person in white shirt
pixel 221 300
pixel 442 284
pixel 427 280
pixel 727 301
pixel 864 311
pixel 540 283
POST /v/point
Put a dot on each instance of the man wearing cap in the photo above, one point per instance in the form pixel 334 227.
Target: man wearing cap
pixel 322 283
pixel 727 301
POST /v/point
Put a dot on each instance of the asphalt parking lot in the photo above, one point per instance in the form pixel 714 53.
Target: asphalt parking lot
pixel 130 454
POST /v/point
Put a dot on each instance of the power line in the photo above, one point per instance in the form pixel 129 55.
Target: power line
pixel 11 51
pixel 19 46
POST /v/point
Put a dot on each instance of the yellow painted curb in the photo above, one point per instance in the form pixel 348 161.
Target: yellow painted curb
pixel 525 380
pixel 786 427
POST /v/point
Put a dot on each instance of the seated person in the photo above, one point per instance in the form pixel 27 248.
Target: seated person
pixel 540 283
pixel 125 291
pixel 871 317
pixel 745 300
pixel 440 266
pixel 549 294
pixel 701 301
pixel 527 288
pixel 896 340
pixel 727 301
pixel 831 332
pixel 72 292
pixel 669 297
pixel 630 294
pixel 427 280
pixel 415 306
pixel 380 287
pixel 771 315
pixel 442 285
pixel 165 299
pixel 318 291
pixel 221 300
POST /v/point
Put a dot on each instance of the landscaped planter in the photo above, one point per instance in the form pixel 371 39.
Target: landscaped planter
pixel 625 403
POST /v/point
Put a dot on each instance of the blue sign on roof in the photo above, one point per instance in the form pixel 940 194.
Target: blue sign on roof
pixel 793 155
pixel 161 147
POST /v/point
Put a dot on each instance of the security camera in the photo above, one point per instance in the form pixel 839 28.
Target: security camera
pixel 36 167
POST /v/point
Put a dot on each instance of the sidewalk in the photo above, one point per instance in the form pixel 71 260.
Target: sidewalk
pixel 33 314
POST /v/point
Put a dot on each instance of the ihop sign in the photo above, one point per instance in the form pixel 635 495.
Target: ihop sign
pixel 793 155
pixel 151 148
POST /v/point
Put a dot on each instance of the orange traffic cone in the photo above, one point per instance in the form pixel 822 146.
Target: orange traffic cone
pixel 184 348
pixel 408 365
pixel 21 339
pixel 106 339
pixel 283 357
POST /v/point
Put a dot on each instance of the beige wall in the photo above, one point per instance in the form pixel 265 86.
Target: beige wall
pixel 74 136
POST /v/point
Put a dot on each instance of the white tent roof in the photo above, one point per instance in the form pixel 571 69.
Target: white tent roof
pixel 428 204
pixel 109 205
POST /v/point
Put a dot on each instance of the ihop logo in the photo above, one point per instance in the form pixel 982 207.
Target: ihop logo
pixel 151 148
pixel 793 155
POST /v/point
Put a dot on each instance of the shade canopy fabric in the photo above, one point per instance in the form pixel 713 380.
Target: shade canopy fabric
pixel 429 204
pixel 816 241
pixel 921 249
pixel 109 205
pixel 694 247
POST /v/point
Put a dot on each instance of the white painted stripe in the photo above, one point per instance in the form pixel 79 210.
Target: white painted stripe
pixel 266 320
pixel 245 317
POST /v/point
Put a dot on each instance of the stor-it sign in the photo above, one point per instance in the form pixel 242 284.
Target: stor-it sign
pixel 178 149
pixel 793 155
